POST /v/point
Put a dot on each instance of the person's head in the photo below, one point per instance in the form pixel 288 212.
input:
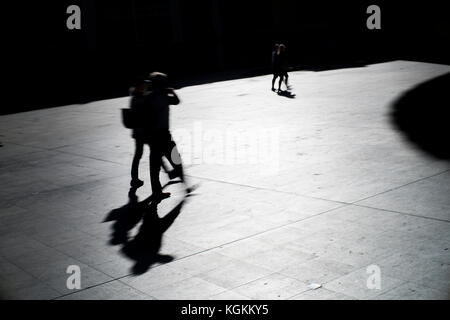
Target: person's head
pixel 159 80
pixel 276 46
pixel 139 86
pixel 282 47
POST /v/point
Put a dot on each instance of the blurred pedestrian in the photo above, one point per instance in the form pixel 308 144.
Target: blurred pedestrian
pixel 275 64
pixel 137 105
pixel 160 140
pixel 283 66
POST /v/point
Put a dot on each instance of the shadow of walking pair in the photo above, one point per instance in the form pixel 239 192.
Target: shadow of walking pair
pixel 286 93
pixel 144 247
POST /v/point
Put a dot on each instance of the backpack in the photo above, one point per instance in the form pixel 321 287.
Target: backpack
pixel 130 119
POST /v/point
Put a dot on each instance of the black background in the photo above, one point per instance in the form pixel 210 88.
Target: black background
pixel 201 41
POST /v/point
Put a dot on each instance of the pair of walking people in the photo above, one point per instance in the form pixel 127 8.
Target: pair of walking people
pixel 279 66
pixel 150 107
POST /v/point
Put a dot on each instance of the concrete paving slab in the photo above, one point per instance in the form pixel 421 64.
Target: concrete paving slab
pixel 412 291
pixel 424 198
pixel 191 288
pixel 113 290
pixel 235 274
pixel 272 287
pixel 321 294
pixel 355 285
pixel 317 270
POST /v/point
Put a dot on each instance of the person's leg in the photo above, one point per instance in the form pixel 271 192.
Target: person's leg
pixel 156 154
pixel 174 157
pixel 273 82
pixel 286 76
pixel 155 166
pixel 279 82
pixel 138 151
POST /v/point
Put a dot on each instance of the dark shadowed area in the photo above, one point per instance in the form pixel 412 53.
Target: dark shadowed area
pixel 202 41
pixel 422 115
pixel 143 248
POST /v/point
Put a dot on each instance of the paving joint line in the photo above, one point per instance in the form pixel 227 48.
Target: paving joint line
pixel 406 184
pixel 403 213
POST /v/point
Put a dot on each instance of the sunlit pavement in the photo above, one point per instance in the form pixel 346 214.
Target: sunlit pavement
pixel 313 196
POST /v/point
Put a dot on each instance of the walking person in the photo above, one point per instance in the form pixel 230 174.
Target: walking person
pixel 275 65
pixel 283 66
pixel 160 139
pixel 138 92
pixel 279 66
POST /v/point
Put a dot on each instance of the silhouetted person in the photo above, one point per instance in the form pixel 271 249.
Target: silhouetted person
pixel 143 130
pixel 279 66
pixel 283 66
pixel 138 92
pixel 159 137
pixel 275 64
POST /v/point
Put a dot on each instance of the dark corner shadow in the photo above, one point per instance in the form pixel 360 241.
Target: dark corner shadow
pixel 286 93
pixel 422 115
pixel 144 247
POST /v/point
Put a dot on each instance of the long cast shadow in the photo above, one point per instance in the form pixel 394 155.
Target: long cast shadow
pixel 144 247
pixel 422 115
pixel 286 93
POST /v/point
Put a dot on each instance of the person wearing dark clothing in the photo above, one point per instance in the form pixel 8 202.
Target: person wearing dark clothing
pixel 158 133
pixel 275 64
pixel 138 92
pixel 279 66
pixel 283 65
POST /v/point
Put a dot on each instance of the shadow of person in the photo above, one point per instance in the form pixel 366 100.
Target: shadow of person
pixel 126 217
pixel 286 93
pixel 144 247
pixel 421 114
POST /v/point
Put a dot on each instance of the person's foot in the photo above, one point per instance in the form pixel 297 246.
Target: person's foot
pixel 173 174
pixel 191 188
pixel 136 183
pixel 273 89
pixel 160 196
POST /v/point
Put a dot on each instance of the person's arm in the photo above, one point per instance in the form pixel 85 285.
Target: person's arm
pixel 173 98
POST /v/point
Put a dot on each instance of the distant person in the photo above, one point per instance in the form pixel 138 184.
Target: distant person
pixel 275 65
pixel 283 66
pixel 159 138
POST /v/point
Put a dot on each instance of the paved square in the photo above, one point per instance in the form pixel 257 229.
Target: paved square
pixel 312 189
